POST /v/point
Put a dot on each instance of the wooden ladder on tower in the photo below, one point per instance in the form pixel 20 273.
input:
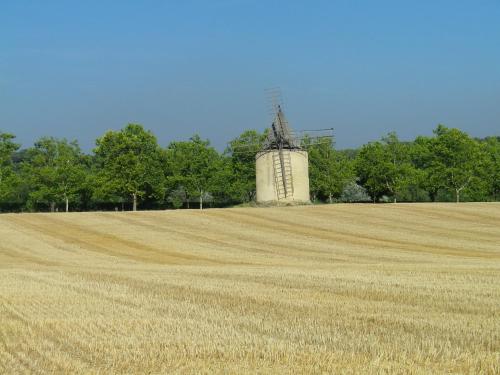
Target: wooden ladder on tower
pixel 282 165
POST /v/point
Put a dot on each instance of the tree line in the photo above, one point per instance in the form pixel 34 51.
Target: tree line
pixel 128 169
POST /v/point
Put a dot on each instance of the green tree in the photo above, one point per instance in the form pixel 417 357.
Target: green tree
pixel 241 169
pixel 9 180
pixel 192 165
pixel 455 159
pixel 329 170
pixel 371 168
pixel 55 171
pixel 384 167
pixel 427 177
pixel 129 163
pixel 401 173
pixel 177 196
pixel 223 187
pixel 491 172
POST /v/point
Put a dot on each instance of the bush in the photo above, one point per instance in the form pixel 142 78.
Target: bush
pixel 354 193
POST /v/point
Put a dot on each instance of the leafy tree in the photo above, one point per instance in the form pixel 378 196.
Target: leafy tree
pixel 330 171
pixel 426 175
pixel 401 171
pixel 371 167
pixel 224 183
pixel 55 171
pixel 384 167
pixel 455 159
pixel 90 184
pixel 350 153
pixel 178 196
pixel 9 180
pixel 129 164
pixel 192 165
pixel 490 169
pixel 241 168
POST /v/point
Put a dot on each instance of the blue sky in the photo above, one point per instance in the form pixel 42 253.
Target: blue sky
pixel 75 69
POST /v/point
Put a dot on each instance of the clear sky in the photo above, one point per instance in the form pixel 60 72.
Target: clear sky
pixel 75 69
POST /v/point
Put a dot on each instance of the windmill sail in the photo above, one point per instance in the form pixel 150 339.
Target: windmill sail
pixel 280 136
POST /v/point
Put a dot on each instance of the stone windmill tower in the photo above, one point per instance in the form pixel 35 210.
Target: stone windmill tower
pixel 282 169
pixel 281 162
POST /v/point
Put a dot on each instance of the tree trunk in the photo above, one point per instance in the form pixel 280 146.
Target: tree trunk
pixel 134 204
pixel 201 201
pixel 67 204
pixel 52 206
pixel 395 201
pixel 330 198
pixel 432 196
pixel 458 195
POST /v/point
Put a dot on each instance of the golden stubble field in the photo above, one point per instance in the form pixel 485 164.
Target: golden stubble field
pixel 396 288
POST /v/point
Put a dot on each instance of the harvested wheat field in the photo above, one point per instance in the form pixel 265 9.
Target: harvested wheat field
pixel 396 288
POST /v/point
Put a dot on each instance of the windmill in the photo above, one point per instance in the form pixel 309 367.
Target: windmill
pixel 281 163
